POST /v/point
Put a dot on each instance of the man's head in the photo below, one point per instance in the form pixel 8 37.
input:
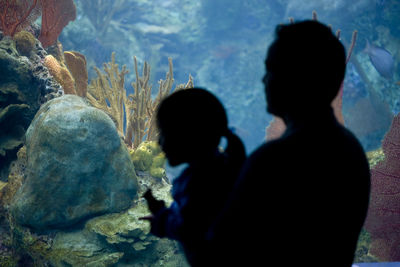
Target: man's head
pixel 305 68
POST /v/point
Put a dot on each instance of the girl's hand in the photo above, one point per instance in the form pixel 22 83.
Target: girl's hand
pixel 153 204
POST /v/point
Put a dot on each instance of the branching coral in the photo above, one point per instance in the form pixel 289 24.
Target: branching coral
pixel 107 92
pixel 137 105
pixel 16 15
pixel 140 108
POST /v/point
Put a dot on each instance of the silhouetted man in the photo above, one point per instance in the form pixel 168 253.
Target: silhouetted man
pixel 301 198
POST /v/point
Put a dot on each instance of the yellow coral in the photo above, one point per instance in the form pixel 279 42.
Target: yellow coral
pixel 76 63
pixel 61 74
pixel 149 157
pixel 2 185
pixel 159 160
pixel 157 168
pixel 142 158
pixel 375 156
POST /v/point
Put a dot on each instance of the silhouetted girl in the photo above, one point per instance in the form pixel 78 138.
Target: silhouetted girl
pixel 191 124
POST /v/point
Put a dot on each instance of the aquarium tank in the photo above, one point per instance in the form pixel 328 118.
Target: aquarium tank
pixel 81 80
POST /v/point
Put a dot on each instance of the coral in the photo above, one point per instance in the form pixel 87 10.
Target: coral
pixel 149 157
pixel 107 92
pixel 142 158
pixel 109 88
pixel 15 179
pixel 362 253
pixel 55 16
pixel 25 42
pixel 57 51
pixel 68 69
pixel 375 156
pixel 157 168
pixel 383 220
pixel 105 240
pixel 2 185
pixel 61 74
pixel 76 63
pixel 17 15
pixel 140 108
pixel 137 106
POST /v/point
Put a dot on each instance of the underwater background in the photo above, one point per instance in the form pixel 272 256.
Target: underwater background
pixel 79 84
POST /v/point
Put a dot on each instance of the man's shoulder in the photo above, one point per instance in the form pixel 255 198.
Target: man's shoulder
pixel 266 153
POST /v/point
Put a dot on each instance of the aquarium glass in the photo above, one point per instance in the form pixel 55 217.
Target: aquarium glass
pixel 115 61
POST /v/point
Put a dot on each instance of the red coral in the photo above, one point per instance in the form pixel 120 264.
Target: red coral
pixel 15 15
pixel 383 220
pixel 56 14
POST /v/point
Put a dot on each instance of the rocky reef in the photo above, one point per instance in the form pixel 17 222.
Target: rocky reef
pixel 24 85
pixel 78 167
pixel 69 191
pixel 113 239
pixel 74 198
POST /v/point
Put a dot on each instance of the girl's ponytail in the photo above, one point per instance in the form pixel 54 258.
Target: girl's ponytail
pixel 235 149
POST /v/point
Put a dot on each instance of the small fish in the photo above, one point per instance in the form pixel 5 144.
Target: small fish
pixel 381 59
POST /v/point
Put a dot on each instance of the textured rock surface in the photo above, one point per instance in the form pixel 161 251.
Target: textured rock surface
pixel 119 239
pixel 19 101
pixel 24 85
pixel 78 167
pixel 113 239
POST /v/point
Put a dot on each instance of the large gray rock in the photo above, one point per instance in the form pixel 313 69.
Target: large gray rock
pixel 78 167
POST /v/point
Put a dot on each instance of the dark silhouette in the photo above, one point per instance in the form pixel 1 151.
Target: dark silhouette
pixel 191 124
pixel 303 197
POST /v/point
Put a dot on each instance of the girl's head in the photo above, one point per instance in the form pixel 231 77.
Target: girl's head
pixel 191 124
